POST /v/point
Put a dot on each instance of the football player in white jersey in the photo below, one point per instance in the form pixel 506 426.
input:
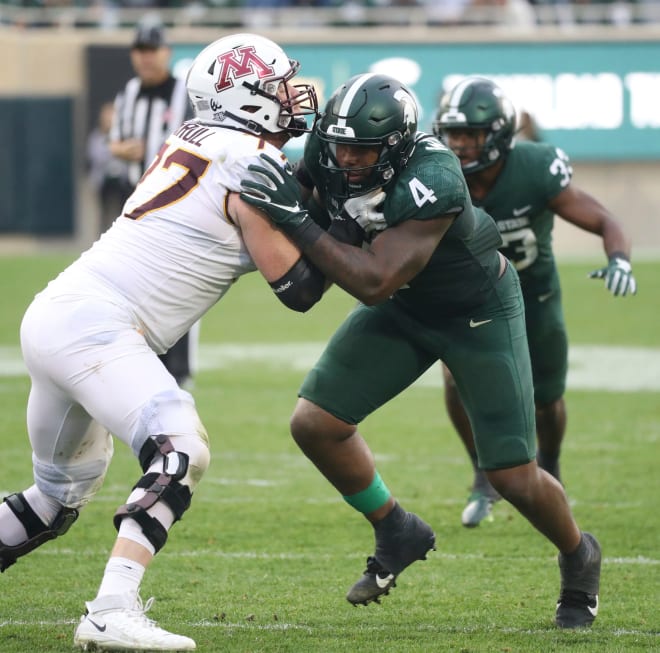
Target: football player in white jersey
pixel 91 338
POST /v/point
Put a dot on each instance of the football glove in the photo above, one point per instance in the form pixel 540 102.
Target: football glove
pixel 364 210
pixel 278 195
pixel 619 279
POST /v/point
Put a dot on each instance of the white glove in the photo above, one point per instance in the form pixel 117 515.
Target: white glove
pixel 363 209
pixel 618 276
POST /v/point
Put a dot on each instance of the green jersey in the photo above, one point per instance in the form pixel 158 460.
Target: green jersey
pixel 464 268
pixel 532 175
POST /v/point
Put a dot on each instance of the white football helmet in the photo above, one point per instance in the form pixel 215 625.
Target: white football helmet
pixel 234 83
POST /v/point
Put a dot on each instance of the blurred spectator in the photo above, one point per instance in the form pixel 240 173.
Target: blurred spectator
pixel 106 173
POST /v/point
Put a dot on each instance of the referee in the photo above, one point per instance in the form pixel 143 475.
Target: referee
pixel 152 105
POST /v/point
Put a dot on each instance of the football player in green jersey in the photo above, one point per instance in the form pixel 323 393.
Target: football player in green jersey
pixel 432 286
pixel 523 187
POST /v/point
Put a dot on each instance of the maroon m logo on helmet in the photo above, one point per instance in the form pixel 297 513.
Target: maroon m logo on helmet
pixel 232 67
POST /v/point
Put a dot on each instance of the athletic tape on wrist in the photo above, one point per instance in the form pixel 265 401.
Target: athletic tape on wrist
pixel 370 499
pixel 615 255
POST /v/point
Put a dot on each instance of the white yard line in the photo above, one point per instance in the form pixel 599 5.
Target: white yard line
pixel 253 625
pixel 591 367
pixel 57 551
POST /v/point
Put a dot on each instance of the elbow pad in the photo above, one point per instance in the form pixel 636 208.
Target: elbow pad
pixel 301 287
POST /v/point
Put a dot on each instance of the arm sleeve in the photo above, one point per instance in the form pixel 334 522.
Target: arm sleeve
pixel 318 213
pixel 301 287
pixel 346 230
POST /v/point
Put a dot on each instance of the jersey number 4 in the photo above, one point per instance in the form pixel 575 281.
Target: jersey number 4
pixel 192 166
pixel 421 194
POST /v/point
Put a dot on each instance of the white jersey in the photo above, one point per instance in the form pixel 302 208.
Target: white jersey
pixel 174 252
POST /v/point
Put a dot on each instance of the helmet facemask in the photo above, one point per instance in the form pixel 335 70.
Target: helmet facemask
pixel 378 174
pixel 293 109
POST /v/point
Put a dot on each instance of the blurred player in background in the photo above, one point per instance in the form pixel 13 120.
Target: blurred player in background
pixel 523 186
pixel 151 106
pixel 91 339
pixel 433 286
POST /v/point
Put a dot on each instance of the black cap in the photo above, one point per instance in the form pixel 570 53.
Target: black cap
pixel 149 36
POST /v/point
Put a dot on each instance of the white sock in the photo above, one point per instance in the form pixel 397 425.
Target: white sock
pixel 12 532
pixel 46 507
pixel 122 576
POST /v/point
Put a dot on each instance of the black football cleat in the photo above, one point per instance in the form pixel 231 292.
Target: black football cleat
pixel 401 539
pixel 577 606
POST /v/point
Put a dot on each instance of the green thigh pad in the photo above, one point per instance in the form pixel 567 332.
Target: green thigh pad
pixel 491 366
pixel 367 361
pixel 379 351
pixel 548 346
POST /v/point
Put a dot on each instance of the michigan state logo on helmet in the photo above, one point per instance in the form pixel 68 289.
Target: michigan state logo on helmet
pixel 369 110
pixel 477 103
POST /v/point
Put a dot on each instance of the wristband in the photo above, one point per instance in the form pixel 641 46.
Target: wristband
pixel 305 233
pixel 620 255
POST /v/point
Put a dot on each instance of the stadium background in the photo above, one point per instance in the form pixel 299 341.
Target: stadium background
pixel 592 90
pixel 262 561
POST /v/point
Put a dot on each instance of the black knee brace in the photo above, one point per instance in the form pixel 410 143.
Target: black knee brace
pixel 163 486
pixel 37 531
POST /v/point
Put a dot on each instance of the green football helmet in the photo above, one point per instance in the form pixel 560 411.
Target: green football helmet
pixel 477 103
pixel 369 109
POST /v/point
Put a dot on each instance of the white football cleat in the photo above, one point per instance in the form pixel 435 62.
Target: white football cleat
pixel 479 508
pixel 116 623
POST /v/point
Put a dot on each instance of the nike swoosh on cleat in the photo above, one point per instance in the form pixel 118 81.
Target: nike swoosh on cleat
pixel 474 324
pixel 101 629
pixel 384 582
pixel 594 610
pixel 518 212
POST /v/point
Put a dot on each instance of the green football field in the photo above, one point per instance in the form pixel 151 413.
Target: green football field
pixel 262 560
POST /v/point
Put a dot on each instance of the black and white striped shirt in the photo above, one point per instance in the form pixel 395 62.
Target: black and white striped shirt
pixel 151 114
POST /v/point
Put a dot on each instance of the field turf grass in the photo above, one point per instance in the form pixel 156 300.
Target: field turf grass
pixel 264 557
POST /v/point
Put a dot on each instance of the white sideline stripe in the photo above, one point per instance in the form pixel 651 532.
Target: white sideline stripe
pixel 448 629
pixel 261 555
pixel 591 367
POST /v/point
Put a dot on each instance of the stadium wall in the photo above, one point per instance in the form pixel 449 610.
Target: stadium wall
pixel 47 72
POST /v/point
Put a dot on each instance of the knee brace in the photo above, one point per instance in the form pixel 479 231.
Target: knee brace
pixel 37 532
pixel 163 486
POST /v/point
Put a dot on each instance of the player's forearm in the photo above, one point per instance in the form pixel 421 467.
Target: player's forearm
pixel 351 268
pixel 615 240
